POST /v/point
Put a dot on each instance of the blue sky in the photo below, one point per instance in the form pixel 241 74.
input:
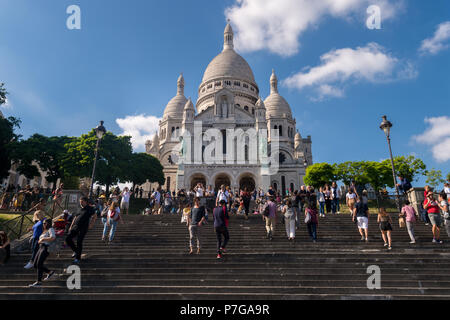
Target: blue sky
pixel 126 58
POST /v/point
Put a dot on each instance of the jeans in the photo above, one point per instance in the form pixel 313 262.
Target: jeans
pixel 222 231
pixel 298 217
pixel 410 227
pixel 290 227
pixel 312 230
pixel 80 234
pixel 41 255
pixel 194 234
pixel 322 207
pixel 112 232
pixel 34 248
pixel 335 205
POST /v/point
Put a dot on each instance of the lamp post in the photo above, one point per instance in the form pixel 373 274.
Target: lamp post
pixel 386 127
pixel 99 132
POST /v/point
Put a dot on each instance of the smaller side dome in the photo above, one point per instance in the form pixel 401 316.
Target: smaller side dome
pixel 260 104
pixel 189 106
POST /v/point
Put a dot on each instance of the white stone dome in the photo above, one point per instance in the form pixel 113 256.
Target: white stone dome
pixel 276 105
pixel 175 107
pixel 229 64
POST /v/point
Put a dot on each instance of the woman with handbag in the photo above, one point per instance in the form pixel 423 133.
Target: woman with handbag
pixel 46 240
pixel 311 219
pixel 112 220
pixel 385 221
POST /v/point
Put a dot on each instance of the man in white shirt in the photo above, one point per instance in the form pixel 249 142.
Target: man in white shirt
pixel 335 198
pixel 222 194
pixel 199 190
pixel 125 203
pixel 156 197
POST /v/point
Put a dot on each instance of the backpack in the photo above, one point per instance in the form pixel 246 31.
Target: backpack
pixel 266 211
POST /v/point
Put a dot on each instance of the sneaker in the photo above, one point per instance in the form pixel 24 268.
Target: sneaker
pixel 74 255
pixel 412 242
pixel 219 256
pixel 34 285
pixel 362 238
pixel 385 244
pixel 434 241
pixel 390 248
pixel 367 239
pixel 29 265
pixel 439 241
pixel 49 275
pixel 76 261
pixel 223 250
pixel 427 224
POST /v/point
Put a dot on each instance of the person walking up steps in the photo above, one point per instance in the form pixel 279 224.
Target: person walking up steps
pixel 385 221
pixel 410 214
pixel 351 200
pixel 80 226
pixel 361 217
pixel 270 217
pixel 432 207
pixel 289 220
pixel 443 205
pixel 220 214
pixel 311 218
pixel 112 219
pixel 196 219
pixel 321 196
pixel 125 203
pixel 37 228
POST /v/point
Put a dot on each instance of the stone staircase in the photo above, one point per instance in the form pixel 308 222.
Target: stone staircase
pixel 150 260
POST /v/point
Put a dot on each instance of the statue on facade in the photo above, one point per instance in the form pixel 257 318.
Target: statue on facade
pixel 224 110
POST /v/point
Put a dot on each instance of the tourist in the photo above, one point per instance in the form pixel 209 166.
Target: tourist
pixel 168 203
pixel 81 224
pixel 361 217
pixel 351 200
pixel 443 205
pixel 321 197
pixel 155 199
pixel 270 192
pixel 45 240
pixel 447 189
pixel 327 194
pixel 125 203
pixel 270 216
pixel 385 221
pixel 221 217
pixel 222 194
pixel 311 219
pixel 335 198
pixel 289 219
pixel 296 206
pixel 365 197
pixel 246 198
pixel 37 228
pixel 404 184
pixel 6 246
pixel 186 214
pixel 112 218
pixel 104 217
pixel 195 223
pixel 410 214
pixel 199 190
pixel 432 207
pixel 140 192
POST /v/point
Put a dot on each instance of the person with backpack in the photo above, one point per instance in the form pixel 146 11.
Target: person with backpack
pixel 270 216
pixel 196 219
pixel 156 201
pixel 289 219
pixel 246 197
pixel 361 217
pixel 404 184
pixel 221 217
pixel 113 217
pixel 432 207
pixel 311 219
pixel 410 214
pixel 385 221
pixel 443 205
pixel 46 239
pixel 222 194
pixel 321 196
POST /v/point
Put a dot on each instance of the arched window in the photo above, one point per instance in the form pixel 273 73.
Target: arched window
pixel 275 127
pixel 246 108
pixel 253 111
pixel 246 152
pixel 224 141
pixel 280 130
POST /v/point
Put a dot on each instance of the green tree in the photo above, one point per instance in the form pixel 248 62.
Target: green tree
pixel 46 152
pixel 377 174
pixel 3 94
pixel 352 171
pixel 408 167
pixel 114 156
pixel 145 167
pixel 448 176
pixel 8 139
pixel 434 178
pixel 319 174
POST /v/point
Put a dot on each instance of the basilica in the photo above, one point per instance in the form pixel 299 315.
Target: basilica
pixel 228 98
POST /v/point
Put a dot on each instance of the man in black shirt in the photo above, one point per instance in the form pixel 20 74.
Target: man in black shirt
pixel 361 217
pixel 80 226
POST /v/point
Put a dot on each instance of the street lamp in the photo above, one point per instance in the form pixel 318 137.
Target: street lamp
pixel 386 127
pixel 99 132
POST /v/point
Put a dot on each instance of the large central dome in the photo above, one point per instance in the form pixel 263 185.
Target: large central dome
pixel 229 64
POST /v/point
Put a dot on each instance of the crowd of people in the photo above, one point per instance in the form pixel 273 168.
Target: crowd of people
pixel 303 206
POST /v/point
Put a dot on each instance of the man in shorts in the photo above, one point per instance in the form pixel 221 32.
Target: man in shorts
pixel 432 206
pixel 125 203
pixel 361 217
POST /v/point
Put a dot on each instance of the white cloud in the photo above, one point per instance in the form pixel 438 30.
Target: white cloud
pixel 140 127
pixel 277 25
pixel 370 63
pixel 440 40
pixel 437 136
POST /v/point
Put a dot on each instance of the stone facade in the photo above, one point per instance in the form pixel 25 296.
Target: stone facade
pixel 228 98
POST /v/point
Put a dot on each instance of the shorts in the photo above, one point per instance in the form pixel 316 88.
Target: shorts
pixel 363 222
pixel 124 205
pixel 435 219
pixel 385 226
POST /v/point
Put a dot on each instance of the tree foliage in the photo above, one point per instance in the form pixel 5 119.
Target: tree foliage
pixel 145 167
pixel 319 174
pixel 8 139
pixel 434 178
pixel 408 167
pixel 3 94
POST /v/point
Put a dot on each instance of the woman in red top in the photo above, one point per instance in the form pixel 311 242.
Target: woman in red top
pixel 432 207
